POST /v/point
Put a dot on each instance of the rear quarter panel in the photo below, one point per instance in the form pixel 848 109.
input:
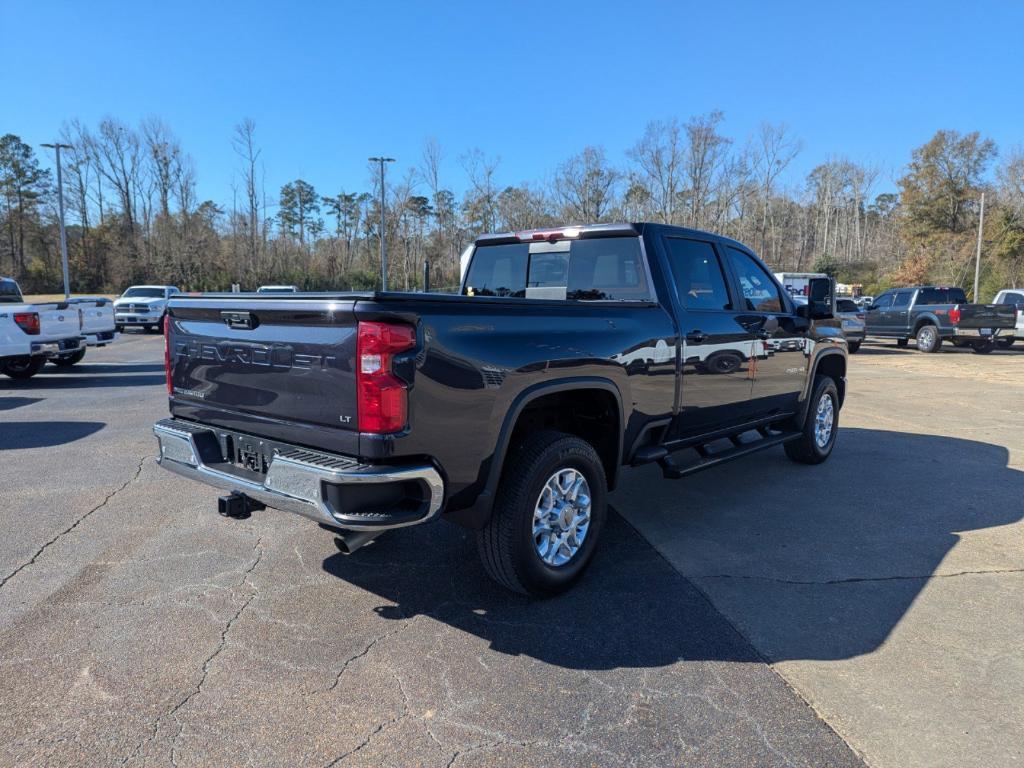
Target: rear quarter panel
pixel 478 355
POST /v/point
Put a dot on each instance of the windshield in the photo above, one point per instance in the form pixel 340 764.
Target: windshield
pixel 143 293
pixel 596 269
pixel 846 305
pixel 9 292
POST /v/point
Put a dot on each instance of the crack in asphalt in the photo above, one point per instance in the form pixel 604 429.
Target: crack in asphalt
pixel 337 679
pixel 79 521
pixel 854 579
pixel 258 549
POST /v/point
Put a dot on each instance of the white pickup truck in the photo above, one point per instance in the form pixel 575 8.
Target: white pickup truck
pixel 31 334
pixel 1014 296
pixel 143 305
pixel 97 326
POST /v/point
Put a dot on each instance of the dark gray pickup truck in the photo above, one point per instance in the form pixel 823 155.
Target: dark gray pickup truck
pixel 510 408
pixel 932 314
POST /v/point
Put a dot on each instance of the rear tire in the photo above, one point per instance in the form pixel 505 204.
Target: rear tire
pixel 928 339
pixel 982 347
pixel 1005 343
pixel 820 427
pixel 66 361
pixel 24 367
pixel 510 545
pixel 852 347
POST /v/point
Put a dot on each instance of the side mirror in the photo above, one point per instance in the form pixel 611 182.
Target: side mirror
pixel 821 300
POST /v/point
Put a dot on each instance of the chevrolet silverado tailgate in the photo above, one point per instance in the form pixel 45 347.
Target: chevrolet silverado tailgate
pixel 252 362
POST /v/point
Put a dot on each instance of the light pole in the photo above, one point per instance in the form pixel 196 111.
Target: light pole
pixel 60 205
pixel 977 260
pixel 383 247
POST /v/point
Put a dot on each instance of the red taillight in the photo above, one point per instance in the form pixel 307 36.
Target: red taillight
pixel 167 353
pixel 28 322
pixel 382 397
pixel 954 315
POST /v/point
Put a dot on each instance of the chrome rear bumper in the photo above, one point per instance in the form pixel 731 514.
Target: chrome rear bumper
pixel 295 481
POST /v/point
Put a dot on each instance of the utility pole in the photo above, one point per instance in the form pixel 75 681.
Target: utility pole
pixel 60 206
pixel 977 261
pixel 383 246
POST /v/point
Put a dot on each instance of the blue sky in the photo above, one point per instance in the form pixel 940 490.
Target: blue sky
pixel 329 84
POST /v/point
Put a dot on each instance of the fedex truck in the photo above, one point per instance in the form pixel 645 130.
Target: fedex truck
pixel 797 283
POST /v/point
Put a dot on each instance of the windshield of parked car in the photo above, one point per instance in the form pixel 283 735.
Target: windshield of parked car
pixel 143 293
pixel 596 269
pixel 9 292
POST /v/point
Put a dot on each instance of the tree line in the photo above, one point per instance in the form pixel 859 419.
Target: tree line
pixel 134 216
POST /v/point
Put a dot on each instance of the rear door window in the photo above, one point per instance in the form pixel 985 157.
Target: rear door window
pixel 596 269
pixel 903 299
pixel 700 281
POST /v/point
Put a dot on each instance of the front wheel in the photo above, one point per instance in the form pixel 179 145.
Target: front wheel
pixel 24 367
pixel 820 427
pixel 550 509
pixel 928 339
pixel 66 361
pixel 852 347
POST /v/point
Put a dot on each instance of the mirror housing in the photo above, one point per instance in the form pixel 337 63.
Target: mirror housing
pixel 821 298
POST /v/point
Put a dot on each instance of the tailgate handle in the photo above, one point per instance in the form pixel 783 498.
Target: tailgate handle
pixel 240 320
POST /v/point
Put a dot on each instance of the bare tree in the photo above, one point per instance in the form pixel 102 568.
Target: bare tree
pixel 660 156
pixel 586 186
pixel 244 143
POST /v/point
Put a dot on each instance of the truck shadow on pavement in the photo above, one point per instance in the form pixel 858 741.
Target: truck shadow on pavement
pixel 44 434
pixel 10 403
pixel 109 376
pixel 808 562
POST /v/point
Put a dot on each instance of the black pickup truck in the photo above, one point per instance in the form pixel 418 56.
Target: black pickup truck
pixel 512 407
pixel 932 314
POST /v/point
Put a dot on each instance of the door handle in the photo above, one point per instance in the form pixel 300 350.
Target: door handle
pixel 696 337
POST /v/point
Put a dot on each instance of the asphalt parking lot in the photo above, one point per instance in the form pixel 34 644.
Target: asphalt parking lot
pixel 762 613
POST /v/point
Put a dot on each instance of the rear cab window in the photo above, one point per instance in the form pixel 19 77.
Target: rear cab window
pixel 9 292
pixel 592 269
pixel 1012 297
pixel 941 296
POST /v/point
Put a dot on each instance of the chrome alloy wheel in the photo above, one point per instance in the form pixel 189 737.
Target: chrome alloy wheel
pixel 926 337
pixel 824 418
pixel 561 518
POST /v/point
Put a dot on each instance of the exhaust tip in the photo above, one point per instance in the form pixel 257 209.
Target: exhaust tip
pixel 349 541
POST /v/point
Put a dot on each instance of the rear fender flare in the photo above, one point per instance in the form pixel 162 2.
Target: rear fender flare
pixel 481 509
